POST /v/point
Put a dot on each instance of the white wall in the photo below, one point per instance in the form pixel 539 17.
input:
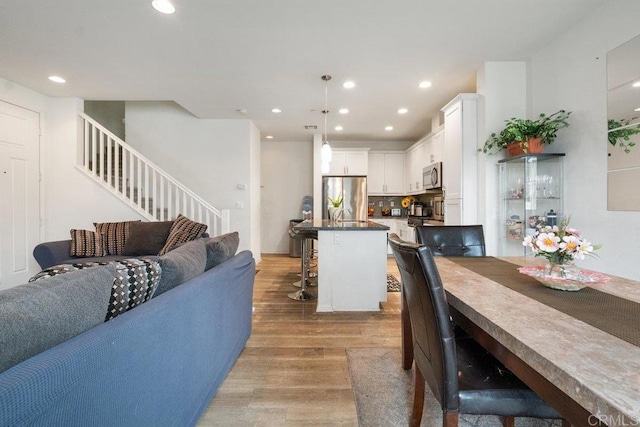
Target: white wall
pixel 287 176
pixel 570 73
pixel 255 169
pixel 211 157
pixel 68 198
pixel 503 90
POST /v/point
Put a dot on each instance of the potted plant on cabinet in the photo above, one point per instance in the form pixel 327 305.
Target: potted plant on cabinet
pixel 522 136
pixel 620 132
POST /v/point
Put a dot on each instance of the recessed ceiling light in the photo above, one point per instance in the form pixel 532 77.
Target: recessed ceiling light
pixel 163 6
pixel 269 136
pixel 388 128
pixel 276 110
pixel 57 79
pixel 349 84
pixel 343 111
pixel 425 84
pixel 402 111
pixel 636 84
pixel 637 109
pixel 338 127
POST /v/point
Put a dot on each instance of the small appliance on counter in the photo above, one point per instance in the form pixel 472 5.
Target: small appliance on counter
pixel 417 209
pixel 396 212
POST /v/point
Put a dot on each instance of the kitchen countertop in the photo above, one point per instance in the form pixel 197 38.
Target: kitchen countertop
pixel 346 225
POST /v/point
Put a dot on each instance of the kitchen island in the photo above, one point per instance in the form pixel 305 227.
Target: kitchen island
pixel 352 264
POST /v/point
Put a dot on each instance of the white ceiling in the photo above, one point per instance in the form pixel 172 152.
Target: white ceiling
pixel 215 57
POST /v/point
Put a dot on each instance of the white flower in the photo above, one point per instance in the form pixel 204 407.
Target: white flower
pixel 548 242
pixel 585 248
pixel 570 244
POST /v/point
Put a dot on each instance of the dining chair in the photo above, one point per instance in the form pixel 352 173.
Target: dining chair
pixel 452 240
pixel 442 240
pixel 462 375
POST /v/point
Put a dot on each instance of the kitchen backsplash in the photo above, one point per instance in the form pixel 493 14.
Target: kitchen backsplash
pixel 380 202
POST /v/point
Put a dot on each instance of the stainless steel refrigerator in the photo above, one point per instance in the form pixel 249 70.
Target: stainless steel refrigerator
pixel 352 189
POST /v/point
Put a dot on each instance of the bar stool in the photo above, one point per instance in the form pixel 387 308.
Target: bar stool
pixel 312 267
pixel 307 238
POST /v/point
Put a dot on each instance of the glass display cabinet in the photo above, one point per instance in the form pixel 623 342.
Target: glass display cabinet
pixel 531 193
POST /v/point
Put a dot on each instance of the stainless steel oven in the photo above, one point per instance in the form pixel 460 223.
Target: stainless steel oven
pixel 438 208
pixel 432 176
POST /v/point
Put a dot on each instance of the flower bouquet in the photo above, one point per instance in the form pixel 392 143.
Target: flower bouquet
pixel 561 245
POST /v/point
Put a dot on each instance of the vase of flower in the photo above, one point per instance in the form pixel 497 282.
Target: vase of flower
pixel 565 270
pixel 560 245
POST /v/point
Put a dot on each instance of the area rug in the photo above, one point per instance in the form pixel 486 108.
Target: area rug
pixel 383 392
pixel 392 283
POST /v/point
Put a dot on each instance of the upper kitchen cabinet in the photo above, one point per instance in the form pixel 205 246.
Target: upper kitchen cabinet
pixel 460 180
pixel 349 162
pixel 386 174
pixel 415 161
pixel 435 145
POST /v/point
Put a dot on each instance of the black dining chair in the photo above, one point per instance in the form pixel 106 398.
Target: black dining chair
pixel 462 375
pixel 452 240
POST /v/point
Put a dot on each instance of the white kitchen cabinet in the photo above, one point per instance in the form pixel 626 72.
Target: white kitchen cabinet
pixel 415 161
pixel 460 176
pixel 405 232
pixel 386 172
pixel 393 228
pixel 453 212
pixel 348 162
pixel 436 144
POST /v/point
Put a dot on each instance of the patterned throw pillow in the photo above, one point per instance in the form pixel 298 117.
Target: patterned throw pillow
pixel 85 243
pixel 64 268
pixel 135 282
pixel 115 235
pixel 183 230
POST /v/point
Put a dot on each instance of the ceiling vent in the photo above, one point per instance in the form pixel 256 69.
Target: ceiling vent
pixel 313 127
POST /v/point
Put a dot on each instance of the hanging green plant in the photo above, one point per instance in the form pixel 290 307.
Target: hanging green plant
pixel 621 131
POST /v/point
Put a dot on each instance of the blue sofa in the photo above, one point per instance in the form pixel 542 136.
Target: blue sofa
pixel 159 364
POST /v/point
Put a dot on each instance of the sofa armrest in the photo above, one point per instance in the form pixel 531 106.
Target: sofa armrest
pixel 52 253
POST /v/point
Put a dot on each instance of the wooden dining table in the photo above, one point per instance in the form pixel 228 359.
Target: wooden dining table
pixel 580 351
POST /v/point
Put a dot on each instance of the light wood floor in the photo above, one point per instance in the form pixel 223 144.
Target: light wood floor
pixel 293 370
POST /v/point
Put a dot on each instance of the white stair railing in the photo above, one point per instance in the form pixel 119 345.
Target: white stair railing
pixel 141 184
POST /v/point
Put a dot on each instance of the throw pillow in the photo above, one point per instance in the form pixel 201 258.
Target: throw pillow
pixel 182 264
pixel 146 238
pixel 64 268
pixel 114 234
pixel 221 248
pixel 183 230
pixel 135 281
pixel 86 243
pixel 39 315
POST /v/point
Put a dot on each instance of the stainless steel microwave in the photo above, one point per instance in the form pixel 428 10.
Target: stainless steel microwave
pixel 432 176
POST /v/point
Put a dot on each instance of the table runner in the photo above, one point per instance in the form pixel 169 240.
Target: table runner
pixel 614 315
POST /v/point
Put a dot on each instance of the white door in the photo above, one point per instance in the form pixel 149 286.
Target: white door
pixel 19 193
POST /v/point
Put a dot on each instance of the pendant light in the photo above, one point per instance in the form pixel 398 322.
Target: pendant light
pixel 325 151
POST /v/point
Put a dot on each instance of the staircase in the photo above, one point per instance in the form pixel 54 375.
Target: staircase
pixel 141 184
